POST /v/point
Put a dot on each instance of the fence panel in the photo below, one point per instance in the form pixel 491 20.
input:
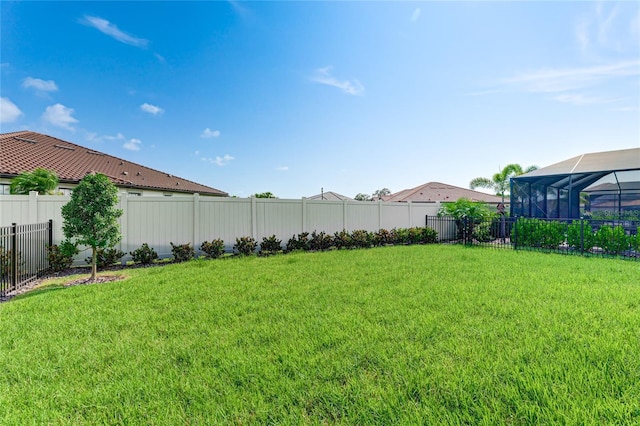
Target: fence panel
pixel 23 254
pixel 158 221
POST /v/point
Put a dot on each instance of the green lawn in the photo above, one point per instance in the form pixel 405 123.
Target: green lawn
pixel 393 335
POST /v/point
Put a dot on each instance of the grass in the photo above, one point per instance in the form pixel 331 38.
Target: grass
pixel 395 335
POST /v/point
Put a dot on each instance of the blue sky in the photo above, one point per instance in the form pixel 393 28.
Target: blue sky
pixel 291 97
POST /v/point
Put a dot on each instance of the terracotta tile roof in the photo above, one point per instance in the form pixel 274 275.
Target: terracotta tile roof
pixel 25 151
pixel 436 191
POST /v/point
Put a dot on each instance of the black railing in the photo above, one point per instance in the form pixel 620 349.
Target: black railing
pixel 23 254
pixel 590 237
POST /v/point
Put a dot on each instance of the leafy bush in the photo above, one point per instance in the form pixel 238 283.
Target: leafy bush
pixel 5 262
pixel 532 232
pixel 467 214
pixel 213 249
pixel 144 255
pixel 299 243
pixel 612 240
pixel 383 237
pixel 400 235
pixel 182 252
pixel 342 239
pixel 106 257
pixel 61 256
pixel 574 238
pixel 270 245
pixel 429 236
pixel 320 241
pixel 245 246
pixel 361 239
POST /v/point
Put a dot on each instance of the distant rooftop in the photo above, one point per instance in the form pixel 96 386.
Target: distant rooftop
pixel 26 151
pixel 436 191
pixel 331 196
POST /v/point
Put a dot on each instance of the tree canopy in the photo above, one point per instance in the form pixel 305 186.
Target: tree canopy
pixel 499 182
pixel 42 181
pixel 264 195
pixel 91 217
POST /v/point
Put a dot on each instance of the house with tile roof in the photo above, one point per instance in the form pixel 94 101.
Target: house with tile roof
pixel 440 192
pixel 331 196
pixel 26 151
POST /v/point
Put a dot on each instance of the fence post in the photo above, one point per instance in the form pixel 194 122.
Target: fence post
pixel 304 214
pixel 50 232
pixel 254 218
pixel 582 235
pixel 13 271
pixel 196 222
pixel 344 214
pixel 464 230
pixel 515 232
pixel 33 207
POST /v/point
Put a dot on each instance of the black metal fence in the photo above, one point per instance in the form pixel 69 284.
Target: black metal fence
pixel 588 237
pixel 23 254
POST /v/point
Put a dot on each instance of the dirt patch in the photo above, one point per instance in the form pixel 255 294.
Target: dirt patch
pixel 100 279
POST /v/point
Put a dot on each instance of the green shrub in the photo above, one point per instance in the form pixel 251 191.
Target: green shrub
pixel 61 256
pixel 612 240
pixel 5 262
pixel 301 242
pixel 575 240
pixel 531 232
pixel 182 252
pixel 320 241
pixel 361 239
pixel 342 240
pixel 144 255
pixel 245 246
pixel 400 235
pixel 270 245
pixel 106 257
pixel 213 249
pixel 383 237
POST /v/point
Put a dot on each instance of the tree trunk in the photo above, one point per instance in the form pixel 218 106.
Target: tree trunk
pixel 94 267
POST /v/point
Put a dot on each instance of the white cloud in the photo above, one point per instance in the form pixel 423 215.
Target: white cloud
pixel 323 76
pixel 220 161
pixel 560 80
pixel 40 85
pixel 113 31
pixel 117 137
pixel 416 15
pixel 133 144
pixel 282 168
pixel 160 58
pixel 197 153
pixel 9 112
pixel 208 133
pixel 580 99
pixel 151 109
pixel 59 115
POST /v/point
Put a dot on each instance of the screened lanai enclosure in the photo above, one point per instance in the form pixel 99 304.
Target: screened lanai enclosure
pixel 601 182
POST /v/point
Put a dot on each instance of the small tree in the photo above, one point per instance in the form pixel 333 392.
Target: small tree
pixel 264 195
pixel 91 217
pixel 362 197
pixel 500 181
pixel 378 194
pixel 40 180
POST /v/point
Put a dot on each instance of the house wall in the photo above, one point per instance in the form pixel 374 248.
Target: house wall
pixel 158 221
pixel 66 188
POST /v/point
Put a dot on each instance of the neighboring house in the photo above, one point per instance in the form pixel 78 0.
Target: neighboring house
pixel 442 192
pixel 26 151
pixel 331 196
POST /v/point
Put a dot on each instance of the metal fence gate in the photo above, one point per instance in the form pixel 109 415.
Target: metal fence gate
pixel 23 254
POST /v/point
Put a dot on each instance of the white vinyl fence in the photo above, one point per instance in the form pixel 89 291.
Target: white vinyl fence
pixel 158 221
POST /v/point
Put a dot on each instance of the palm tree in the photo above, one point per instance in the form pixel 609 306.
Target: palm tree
pixel 500 181
pixel 40 180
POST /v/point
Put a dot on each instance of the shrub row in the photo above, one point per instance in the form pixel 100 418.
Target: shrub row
pixel 61 256
pixel 578 235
